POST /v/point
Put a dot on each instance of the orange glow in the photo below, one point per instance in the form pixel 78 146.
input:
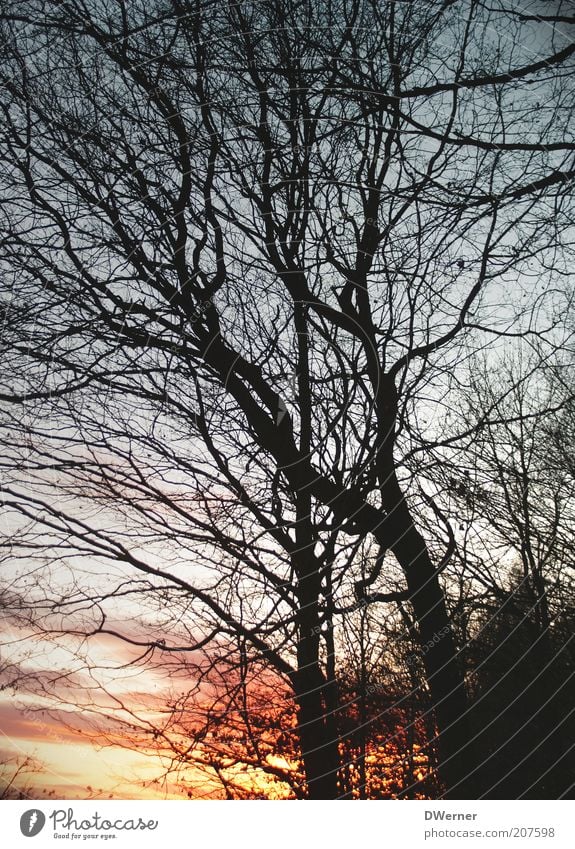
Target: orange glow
pixel 135 735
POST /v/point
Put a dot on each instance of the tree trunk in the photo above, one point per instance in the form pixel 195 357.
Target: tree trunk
pixel 443 672
pixel 316 726
pixel 318 744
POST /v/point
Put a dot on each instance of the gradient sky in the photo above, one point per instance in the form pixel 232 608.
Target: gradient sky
pixel 72 761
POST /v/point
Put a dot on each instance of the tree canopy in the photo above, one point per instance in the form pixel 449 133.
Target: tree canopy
pixel 251 254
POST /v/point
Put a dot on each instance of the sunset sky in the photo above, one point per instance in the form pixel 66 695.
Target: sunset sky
pixel 61 705
pixel 287 417
pixel 70 766
pixel 71 759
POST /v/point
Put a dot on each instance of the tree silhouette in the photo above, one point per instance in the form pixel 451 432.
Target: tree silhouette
pixel 246 247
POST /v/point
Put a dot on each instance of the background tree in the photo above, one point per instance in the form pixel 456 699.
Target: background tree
pixel 246 247
pixel 509 497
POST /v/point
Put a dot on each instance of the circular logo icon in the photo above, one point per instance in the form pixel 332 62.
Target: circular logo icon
pixel 32 822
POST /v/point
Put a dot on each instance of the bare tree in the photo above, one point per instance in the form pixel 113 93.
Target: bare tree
pixel 508 496
pixel 245 248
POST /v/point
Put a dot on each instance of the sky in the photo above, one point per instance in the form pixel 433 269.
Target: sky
pixel 74 761
pixel 72 765
pixel 62 719
pixel 73 769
